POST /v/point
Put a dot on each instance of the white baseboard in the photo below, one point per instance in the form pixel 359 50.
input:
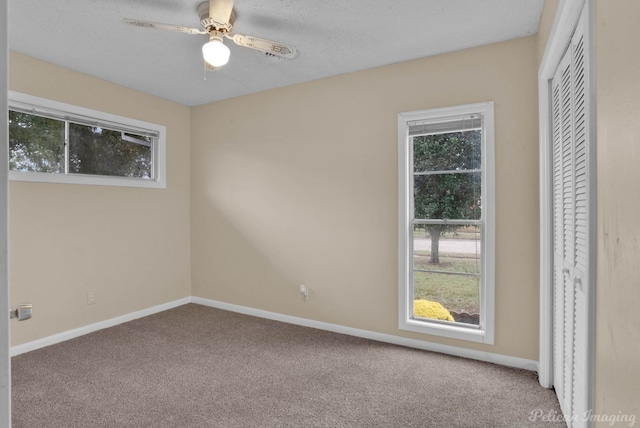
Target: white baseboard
pixel 503 360
pixel 81 331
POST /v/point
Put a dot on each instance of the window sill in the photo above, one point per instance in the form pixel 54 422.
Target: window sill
pixel 451 331
pixel 96 180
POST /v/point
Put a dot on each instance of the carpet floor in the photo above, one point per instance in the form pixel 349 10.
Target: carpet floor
pixel 195 366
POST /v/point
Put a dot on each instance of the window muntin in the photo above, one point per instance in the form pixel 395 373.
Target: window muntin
pixel 446 191
pixel 56 142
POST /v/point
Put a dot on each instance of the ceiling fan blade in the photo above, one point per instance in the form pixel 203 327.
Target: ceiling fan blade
pixel 268 46
pixel 220 10
pixel 159 26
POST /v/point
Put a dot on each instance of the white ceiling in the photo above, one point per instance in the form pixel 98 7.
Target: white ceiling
pixel 332 37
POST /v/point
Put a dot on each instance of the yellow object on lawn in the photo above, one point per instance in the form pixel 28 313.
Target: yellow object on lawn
pixel 428 309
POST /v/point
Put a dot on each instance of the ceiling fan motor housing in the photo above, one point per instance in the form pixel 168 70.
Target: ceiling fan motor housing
pixel 209 23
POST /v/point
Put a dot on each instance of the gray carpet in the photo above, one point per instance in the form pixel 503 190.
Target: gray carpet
pixel 195 366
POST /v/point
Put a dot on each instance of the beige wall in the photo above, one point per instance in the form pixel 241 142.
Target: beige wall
pixel 130 246
pixel 299 185
pixel 618 235
pixel 546 24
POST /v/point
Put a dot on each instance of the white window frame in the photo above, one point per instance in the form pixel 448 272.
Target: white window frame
pixel 484 334
pixel 43 106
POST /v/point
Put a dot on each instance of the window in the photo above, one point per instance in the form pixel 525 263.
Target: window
pixel 446 222
pixel 60 143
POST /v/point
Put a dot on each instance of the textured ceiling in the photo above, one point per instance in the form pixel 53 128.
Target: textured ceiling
pixel 332 37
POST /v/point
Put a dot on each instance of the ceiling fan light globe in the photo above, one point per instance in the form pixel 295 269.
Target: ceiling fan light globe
pixel 215 52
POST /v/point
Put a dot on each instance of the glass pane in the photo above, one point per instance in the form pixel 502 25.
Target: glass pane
pixel 447 196
pixel 458 294
pixel 447 152
pixel 451 249
pixel 98 151
pixel 447 248
pixel 35 143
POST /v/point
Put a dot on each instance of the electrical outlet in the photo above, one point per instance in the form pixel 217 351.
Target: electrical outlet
pixel 91 298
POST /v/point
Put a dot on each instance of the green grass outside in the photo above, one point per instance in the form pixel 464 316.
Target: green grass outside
pixel 459 293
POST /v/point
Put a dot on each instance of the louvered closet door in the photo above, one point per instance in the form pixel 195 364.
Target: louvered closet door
pixel 563 231
pixel 569 109
pixel 581 171
pixel 560 108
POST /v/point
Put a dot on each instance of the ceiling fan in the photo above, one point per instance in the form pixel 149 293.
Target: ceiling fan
pixel 217 18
